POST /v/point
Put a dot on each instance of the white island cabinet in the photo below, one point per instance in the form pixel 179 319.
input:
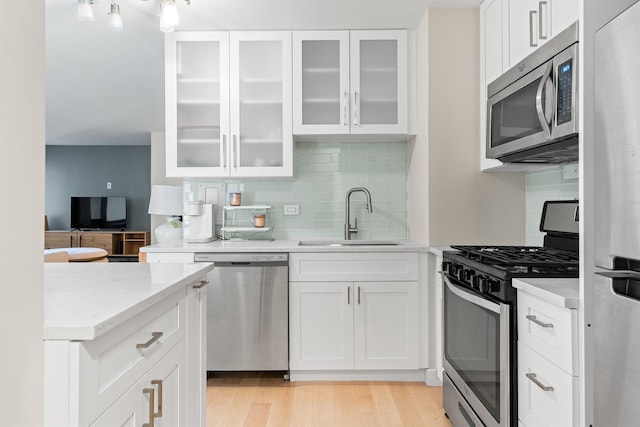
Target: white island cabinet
pixel 124 345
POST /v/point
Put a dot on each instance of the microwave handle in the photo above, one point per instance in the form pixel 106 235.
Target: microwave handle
pixel 546 126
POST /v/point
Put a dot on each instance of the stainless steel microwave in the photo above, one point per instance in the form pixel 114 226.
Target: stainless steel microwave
pixel 532 109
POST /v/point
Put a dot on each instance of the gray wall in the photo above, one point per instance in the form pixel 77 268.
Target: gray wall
pixel 85 171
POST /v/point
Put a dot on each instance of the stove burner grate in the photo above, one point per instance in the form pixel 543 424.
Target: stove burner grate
pixel 521 256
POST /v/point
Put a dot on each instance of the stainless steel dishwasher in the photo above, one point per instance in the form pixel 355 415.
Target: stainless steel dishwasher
pixel 247 311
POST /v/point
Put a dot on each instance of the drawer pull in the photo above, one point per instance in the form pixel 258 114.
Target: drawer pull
pixel 535 320
pixel 155 336
pixel 202 284
pixel 151 393
pixel 159 384
pixel 534 380
pixel 349 295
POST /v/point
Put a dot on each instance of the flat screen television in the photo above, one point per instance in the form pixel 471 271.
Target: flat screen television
pixel 98 212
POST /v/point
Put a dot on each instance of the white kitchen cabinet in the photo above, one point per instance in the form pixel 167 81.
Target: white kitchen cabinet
pixel 321 325
pixel 159 395
pixel 548 370
pixel 532 23
pixel 228 104
pixel 353 325
pixel 350 82
pixel 348 313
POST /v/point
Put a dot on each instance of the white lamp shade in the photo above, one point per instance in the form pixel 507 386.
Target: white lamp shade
pixel 165 200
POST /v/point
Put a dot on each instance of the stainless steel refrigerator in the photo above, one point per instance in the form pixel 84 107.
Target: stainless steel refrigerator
pixel 617 219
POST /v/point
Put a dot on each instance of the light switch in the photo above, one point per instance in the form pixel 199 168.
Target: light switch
pixel 108 186
pixel 292 209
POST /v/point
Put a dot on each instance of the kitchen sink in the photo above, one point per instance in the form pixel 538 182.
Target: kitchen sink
pixel 347 243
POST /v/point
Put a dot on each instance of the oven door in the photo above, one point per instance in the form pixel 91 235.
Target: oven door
pixel 477 353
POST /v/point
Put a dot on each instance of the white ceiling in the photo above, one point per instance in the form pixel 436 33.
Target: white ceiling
pixel 106 88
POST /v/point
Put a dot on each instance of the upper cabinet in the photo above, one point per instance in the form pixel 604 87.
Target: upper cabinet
pixel 350 82
pixel 532 23
pixel 509 31
pixel 228 104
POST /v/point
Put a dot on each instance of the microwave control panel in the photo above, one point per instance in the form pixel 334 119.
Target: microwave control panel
pixel 565 73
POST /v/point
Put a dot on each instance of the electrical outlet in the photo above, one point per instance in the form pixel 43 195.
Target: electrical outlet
pixel 292 209
pixel 108 186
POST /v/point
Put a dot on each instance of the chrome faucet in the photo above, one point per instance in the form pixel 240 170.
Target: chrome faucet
pixel 348 230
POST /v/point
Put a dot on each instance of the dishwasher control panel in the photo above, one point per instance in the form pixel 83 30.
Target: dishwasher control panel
pixel 240 257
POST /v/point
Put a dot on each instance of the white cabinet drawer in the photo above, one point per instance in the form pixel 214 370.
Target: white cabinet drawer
pixel 365 266
pixel 115 361
pixel 554 407
pixel 549 330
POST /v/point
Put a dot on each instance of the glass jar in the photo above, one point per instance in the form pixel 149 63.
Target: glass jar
pixel 259 220
pixel 235 199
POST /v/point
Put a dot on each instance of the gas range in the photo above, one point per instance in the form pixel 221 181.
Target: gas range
pixel 489 270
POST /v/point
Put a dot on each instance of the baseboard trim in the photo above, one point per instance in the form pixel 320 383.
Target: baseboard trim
pixel 433 377
pixel 417 375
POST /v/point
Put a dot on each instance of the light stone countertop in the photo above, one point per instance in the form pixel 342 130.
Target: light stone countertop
pixel 84 300
pixel 280 246
pixel 561 292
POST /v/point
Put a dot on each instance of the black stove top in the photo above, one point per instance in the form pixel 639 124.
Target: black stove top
pixel 489 270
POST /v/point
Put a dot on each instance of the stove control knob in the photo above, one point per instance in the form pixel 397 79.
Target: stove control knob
pixel 454 269
pixel 445 266
pixel 468 274
pixel 489 285
pixel 478 281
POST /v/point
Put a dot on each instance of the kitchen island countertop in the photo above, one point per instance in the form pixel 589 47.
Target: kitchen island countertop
pixel 85 300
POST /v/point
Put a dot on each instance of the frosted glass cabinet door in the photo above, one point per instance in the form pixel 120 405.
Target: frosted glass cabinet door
pixel 197 103
pixel 379 82
pixel 321 82
pixel 261 129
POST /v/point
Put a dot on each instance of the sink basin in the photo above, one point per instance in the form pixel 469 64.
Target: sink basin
pixel 347 243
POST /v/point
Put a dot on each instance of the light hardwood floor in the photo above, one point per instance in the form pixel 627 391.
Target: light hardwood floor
pixel 255 400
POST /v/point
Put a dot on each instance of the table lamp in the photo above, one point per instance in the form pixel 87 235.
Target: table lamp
pixel 167 200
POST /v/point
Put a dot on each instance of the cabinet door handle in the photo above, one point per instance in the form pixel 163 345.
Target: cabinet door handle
pixel 71 241
pixel 346 105
pixel 358 294
pixel 80 241
pixel 535 320
pixel 151 393
pixel 159 384
pixel 224 151
pixel 355 108
pixel 202 284
pixel 349 295
pixel 541 35
pixel 537 382
pixel 155 336
pixel 236 151
pixel 532 14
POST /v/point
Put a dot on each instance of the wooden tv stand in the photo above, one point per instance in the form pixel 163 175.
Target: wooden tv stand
pixel 116 243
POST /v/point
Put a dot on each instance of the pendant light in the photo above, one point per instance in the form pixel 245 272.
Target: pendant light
pixel 85 11
pixel 115 19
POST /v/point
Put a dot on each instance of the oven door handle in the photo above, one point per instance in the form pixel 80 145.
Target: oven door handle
pixel 473 299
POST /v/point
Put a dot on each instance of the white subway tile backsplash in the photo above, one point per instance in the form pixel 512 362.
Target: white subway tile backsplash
pixel 324 171
pixel 542 185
